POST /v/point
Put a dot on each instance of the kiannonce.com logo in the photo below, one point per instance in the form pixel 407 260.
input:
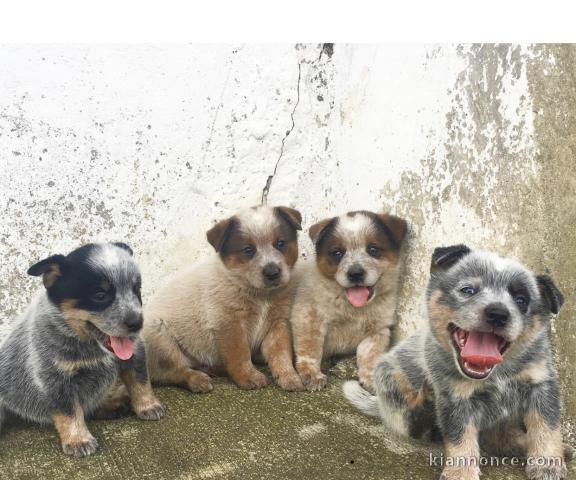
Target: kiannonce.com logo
pixel 445 461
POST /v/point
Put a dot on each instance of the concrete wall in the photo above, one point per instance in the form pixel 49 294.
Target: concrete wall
pixel 150 144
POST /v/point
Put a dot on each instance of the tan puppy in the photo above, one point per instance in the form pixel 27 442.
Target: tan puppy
pixel 233 305
pixel 346 300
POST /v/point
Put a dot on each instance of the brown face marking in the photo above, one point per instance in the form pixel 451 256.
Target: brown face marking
pixel 233 252
pixel 77 318
pixel 327 241
pixel 54 273
pixel 440 316
pixel 380 240
pixel 286 231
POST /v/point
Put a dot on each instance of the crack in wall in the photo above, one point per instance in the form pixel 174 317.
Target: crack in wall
pixel 266 189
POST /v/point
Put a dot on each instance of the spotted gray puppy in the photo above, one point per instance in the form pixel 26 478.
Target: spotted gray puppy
pixel 78 336
pixel 481 374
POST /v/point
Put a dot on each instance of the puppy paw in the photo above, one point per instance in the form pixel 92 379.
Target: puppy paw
pixel 546 472
pixel 313 380
pixel 153 412
pixel 81 448
pixel 290 382
pixel 460 473
pixel 251 380
pixel 200 383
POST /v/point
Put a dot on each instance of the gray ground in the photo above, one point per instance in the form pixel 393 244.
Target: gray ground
pixel 233 434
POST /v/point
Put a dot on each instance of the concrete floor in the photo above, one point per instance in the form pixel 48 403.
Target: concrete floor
pixel 233 434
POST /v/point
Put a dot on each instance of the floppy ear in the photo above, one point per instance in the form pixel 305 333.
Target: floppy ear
pixel 292 216
pixel 550 293
pixel 220 232
pixel 123 246
pixel 50 268
pixel 396 225
pixel 318 230
pixel 444 257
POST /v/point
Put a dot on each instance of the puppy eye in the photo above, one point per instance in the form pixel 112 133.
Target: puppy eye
pixel 373 251
pixel 249 251
pixel 521 300
pixel 99 296
pixel 337 254
pixel 280 244
pixel 468 290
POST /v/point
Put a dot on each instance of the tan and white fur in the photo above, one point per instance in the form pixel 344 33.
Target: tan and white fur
pixel 357 250
pixel 222 311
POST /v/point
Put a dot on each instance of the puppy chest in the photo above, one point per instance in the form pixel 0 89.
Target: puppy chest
pixel 344 336
pixel 259 324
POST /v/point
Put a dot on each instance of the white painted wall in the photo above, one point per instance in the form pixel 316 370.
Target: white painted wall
pixel 150 144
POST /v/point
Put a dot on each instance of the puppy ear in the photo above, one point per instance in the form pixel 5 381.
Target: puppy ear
pixel 50 268
pixel 123 246
pixel 318 230
pixel 550 293
pixel 220 232
pixel 396 225
pixel 292 216
pixel 444 257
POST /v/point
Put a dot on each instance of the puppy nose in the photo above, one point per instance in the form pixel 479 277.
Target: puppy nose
pixel 356 273
pixel 134 322
pixel 272 271
pixel 496 315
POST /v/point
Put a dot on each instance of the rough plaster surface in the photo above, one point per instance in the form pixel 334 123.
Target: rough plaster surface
pixel 151 144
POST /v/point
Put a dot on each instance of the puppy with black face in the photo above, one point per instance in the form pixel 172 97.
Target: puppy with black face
pixel 482 375
pixel 346 299
pixel 78 336
pixel 221 312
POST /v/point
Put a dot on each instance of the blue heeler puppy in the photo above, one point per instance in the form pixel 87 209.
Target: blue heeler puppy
pixel 481 375
pixel 76 339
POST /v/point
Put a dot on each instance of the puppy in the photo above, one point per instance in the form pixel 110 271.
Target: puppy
pixel 235 304
pixel 346 300
pixel 482 373
pixel 77 337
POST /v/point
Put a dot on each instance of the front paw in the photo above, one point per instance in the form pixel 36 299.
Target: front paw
pixel 81 448
pixel 312 378
pixel 460 473
pixel 251 380
pixel 154 411
pixel 290 382
pixel 549 471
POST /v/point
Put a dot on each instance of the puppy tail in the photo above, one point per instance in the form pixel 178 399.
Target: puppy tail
pixel 361 399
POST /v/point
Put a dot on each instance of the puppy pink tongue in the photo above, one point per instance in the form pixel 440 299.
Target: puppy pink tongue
pixel 482 349
pixel 122 347
pixel 358 296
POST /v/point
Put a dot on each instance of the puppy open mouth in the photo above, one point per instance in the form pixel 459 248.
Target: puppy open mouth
pixel 359 296
pixel 478 352
pixel 122 347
